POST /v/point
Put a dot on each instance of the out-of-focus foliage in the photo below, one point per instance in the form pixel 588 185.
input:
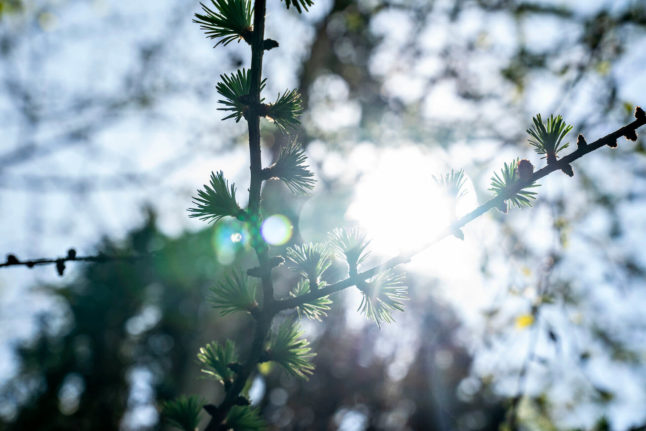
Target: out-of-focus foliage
pixel 9 6
pixel 119 340
pixel 184 412
pixel 129 328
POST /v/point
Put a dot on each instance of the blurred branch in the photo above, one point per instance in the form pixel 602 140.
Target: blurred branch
pixel 12 260
pixel 628 131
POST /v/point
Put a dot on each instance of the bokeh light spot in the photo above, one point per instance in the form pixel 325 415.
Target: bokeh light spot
pixel 277 229
pixel 229 236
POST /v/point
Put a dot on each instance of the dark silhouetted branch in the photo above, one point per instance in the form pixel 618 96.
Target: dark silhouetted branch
pixel 71 256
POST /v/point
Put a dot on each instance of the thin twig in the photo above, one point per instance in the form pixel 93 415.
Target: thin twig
pixel 12 260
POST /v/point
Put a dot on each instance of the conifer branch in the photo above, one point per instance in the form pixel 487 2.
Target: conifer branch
pixel 383 289
pixel 628 131
pixel 266 313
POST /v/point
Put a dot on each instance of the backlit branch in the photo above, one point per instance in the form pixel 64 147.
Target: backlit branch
pixel 583 148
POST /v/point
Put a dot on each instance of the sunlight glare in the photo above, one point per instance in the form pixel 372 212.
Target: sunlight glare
pixel 401 208
pixel 398 203
pixel 229 236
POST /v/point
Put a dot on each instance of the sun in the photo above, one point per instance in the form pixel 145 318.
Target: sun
pixel 401 208
pixel 398 203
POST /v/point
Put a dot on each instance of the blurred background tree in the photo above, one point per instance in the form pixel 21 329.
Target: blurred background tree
pixel 108 107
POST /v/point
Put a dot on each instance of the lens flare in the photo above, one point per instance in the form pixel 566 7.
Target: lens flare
pixel 229 236
pixel 277 229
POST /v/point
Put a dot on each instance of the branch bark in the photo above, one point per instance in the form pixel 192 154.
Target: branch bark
pixel 266 313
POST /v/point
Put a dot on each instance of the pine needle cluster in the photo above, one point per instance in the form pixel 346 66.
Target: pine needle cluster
pixel 234 89
pixel 216 360
pixel 382 295
pixel 229 20
pixel 285 112
pixel 216 200
pixel 244 418
pixel 289 350
pixel 507 183
pixel 351 244
pixel 452 183
pixel 184 412
pixel 292 169
pixel 547 138
pixel 235 293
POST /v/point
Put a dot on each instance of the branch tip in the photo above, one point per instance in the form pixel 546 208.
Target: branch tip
pixel 269 44
pixel 631 134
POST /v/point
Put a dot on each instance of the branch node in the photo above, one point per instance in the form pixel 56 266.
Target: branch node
pixel 12 260
pixel 269 44
pixel 241 401
pixel 265 174
pixel 262 109
pixel 567 170
pixel 580 142
pixel 247 35
pixel 60 267
pixel 631 134
pixel 639 114
pixel 551 158
pixel 211 409
pixel 255 272
pixel 275 261
pixel 235 367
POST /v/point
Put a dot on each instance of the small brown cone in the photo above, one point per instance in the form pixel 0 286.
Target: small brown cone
pixel 525 169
